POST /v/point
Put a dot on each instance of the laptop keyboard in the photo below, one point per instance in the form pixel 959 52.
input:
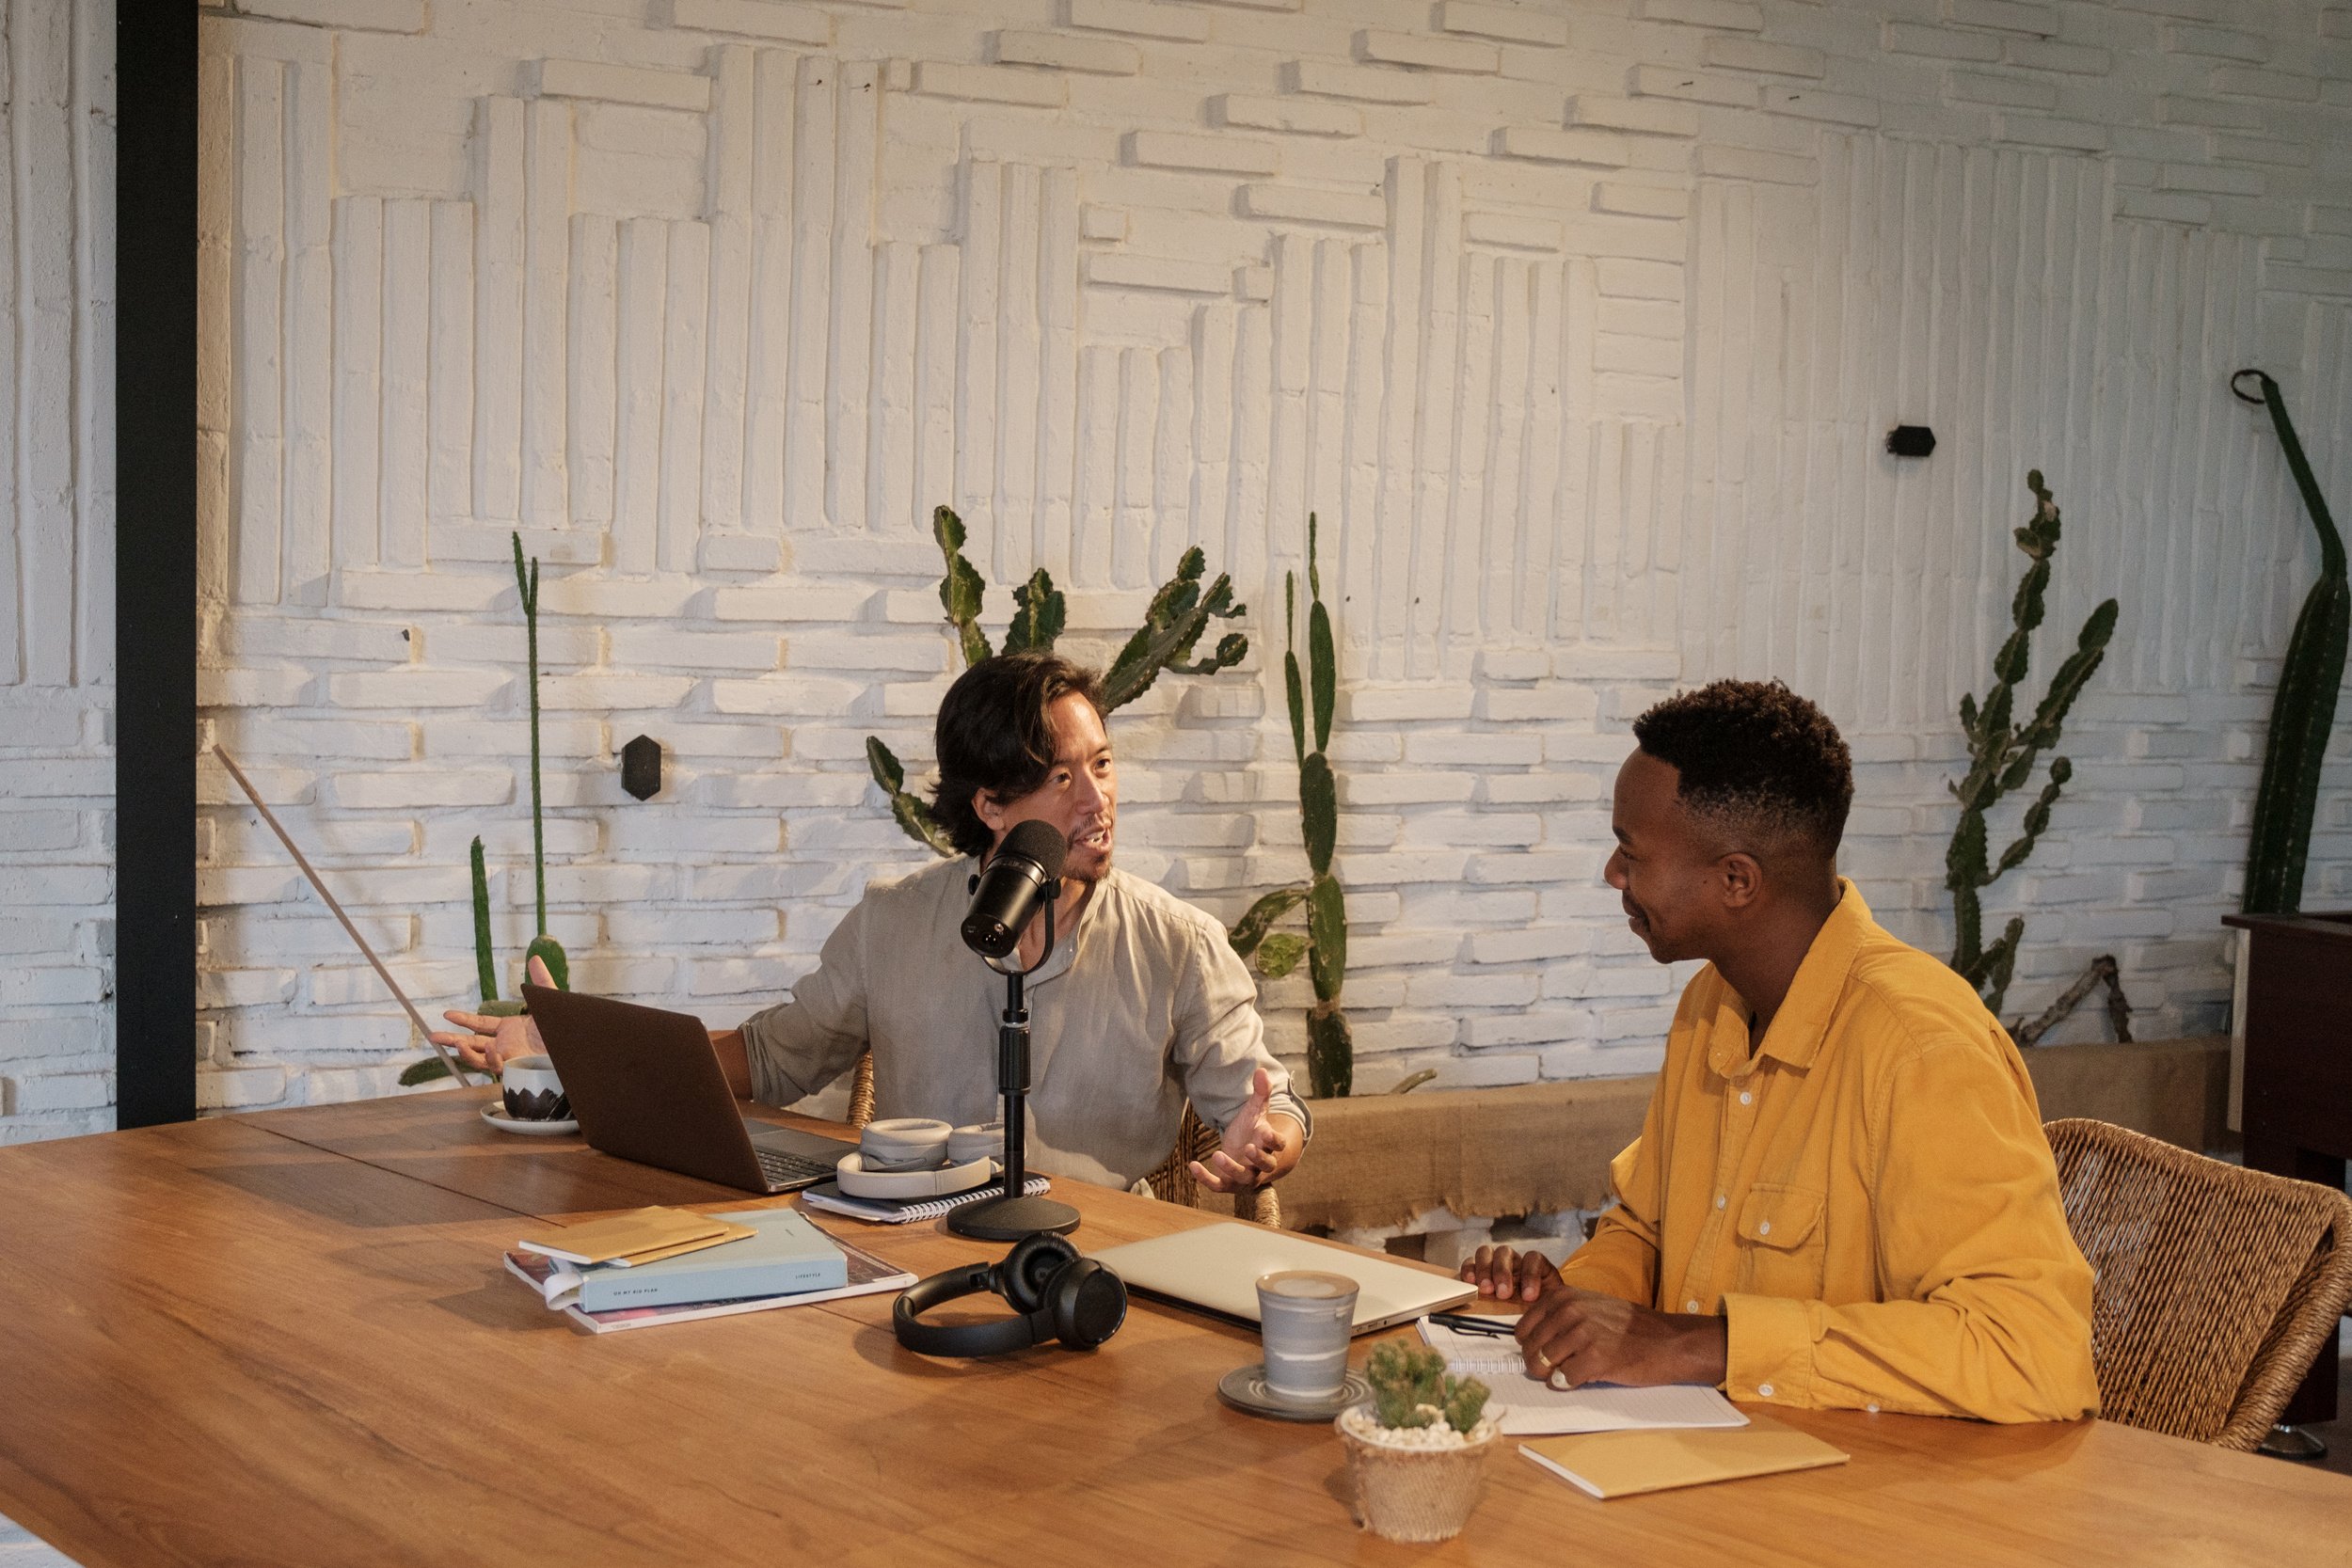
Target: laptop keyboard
pixel 780 1168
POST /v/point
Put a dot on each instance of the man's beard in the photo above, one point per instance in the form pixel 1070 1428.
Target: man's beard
pixel 1087 865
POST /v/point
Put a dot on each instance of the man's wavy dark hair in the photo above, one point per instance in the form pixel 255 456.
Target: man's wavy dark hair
pixel 991 735
pixel 1755 757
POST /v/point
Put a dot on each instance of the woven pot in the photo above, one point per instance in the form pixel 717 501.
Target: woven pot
pixel 1417 1495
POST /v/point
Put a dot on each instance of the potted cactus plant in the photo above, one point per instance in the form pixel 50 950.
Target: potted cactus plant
pixel 1418 1451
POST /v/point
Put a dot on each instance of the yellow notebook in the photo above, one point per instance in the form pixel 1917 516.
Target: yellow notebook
pixel 639 1237
pixel 1620 1463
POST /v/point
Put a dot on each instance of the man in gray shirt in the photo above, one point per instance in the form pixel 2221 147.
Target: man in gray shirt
pixel 1142 1006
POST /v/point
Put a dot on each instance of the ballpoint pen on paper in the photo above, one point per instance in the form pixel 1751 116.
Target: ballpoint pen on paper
pixel 1500 1327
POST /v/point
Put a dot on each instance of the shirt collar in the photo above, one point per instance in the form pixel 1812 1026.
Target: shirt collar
pixel 1802 1024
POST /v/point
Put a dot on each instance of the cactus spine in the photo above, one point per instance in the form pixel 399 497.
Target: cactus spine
pixel 1330 1045
pixel 1179 615
pixel 2002 754
pixel 2304 710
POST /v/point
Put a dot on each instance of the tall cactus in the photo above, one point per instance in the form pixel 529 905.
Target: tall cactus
pixel 543 947
pixel 1179 615
pixel 2304 710
pixel 1330 1045
pixel 2002 754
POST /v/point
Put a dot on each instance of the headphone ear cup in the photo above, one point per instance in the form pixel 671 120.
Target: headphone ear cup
pixel 1025 1276
pixel 1089 1302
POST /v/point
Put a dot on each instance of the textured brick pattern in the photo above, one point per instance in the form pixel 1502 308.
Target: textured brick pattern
pixel 1578 324
pixel 56 582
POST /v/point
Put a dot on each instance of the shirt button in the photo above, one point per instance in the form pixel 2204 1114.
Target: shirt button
pixel 1763 1228
pixel 1691 1305
pixel 1871 1408
pixel 1719 1200
pixel 1764 1390
pixel 1745 1097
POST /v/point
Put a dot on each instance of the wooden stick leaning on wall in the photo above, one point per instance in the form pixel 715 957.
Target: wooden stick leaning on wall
pixel 319 885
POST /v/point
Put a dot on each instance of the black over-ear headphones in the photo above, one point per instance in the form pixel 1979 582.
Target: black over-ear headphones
pixel 1056 1293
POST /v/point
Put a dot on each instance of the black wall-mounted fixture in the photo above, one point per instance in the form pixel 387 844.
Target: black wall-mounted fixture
pixel 641 767
pixel 1910 440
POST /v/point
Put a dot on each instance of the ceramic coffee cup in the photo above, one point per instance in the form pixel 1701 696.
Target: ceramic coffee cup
pixel 1306 1316
pixel 903 1143
pixel 532 1090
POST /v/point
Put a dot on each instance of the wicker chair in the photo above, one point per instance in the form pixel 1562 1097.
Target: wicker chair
pixel 1171 1181
pixel 2214 1286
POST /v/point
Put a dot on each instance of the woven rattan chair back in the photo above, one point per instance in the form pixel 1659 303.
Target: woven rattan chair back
pixel 1171 1182
pixel 2213 1285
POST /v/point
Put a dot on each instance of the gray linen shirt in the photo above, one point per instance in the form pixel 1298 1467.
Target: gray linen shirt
pixel 1144 1005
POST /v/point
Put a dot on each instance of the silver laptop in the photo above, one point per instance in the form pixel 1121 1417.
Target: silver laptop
pixel 1217 1267
pixel 646 1086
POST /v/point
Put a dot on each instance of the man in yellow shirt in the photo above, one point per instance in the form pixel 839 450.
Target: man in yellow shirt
pixel 1841 1195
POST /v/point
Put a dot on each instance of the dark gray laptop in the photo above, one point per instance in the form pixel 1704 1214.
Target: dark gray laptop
pixel 646 1086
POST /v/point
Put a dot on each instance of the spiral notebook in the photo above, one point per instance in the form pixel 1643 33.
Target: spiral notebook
pixel 1526 1407
pixel 827 1195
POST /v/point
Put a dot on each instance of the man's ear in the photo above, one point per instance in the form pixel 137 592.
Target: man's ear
pixel 986 808
pixel 1741 878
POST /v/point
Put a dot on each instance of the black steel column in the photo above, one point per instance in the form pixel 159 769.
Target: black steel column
pixel 155 978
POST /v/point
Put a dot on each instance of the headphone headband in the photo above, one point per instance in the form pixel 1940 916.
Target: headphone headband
pixel 987 1338
pixel 1055 1295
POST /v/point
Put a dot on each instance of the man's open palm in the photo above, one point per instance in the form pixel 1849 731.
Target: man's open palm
pixel 489 1043
pixel 1252 1152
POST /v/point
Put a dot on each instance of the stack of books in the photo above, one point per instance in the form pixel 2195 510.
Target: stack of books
pixel 671 1265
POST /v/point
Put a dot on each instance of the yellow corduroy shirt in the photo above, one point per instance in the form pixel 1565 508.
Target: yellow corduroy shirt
pixel 1868 1198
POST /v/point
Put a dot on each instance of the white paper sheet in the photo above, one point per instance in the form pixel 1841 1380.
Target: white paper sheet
pixel 1528 1408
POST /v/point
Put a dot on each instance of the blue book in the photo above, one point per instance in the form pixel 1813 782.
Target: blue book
pixel 787 1255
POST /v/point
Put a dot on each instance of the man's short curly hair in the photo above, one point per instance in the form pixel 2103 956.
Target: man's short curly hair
pixel 1755 758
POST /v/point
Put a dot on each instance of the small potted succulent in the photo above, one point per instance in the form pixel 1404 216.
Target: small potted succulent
pixel 1418 1451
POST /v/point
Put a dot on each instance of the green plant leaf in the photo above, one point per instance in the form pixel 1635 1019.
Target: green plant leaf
pixel 884 764
pixel 426 1071
pixel 1280 953
pixel 961 588
pixel 1412 1081
pixel 1326 928
pixel 486 966
pixel 914 819
pixel 550 951
pixel 1251 929
pixel 1319 811
pixel 511 1007
pixel 1330 1052
pixel 1039 615
pixel 1298 707
pixel 1178 614
pixel 1323 671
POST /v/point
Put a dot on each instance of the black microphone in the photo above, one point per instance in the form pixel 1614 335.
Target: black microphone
pixel 1007 892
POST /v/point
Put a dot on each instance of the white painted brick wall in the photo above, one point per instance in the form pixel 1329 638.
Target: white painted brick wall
pixel 1579 328
pixel 57 590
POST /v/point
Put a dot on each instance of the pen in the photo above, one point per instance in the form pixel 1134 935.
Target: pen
pixel 1499 1327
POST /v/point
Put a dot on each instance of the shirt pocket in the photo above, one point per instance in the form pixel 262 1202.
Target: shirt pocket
pixel 1780 1241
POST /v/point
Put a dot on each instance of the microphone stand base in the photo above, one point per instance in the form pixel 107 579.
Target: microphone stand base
pixel 1009 1218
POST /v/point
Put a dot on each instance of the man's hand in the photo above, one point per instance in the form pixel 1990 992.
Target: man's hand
pixel 487 1043
pixel 1499 1272
pixel 1590 1338
pixel 1258 1146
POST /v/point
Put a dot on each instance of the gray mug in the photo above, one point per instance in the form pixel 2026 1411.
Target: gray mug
pixel 1307 1317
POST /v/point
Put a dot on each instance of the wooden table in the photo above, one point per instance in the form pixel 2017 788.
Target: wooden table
pixel 286 1338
